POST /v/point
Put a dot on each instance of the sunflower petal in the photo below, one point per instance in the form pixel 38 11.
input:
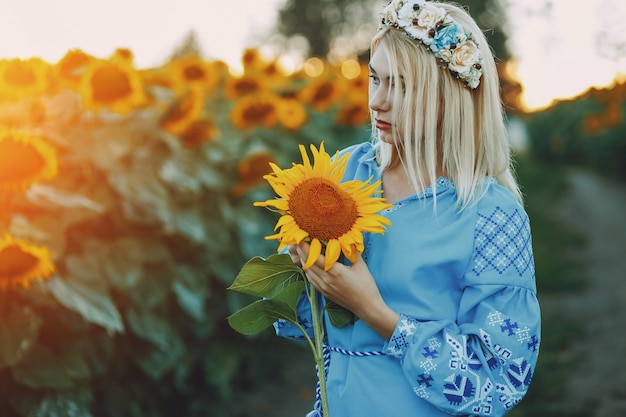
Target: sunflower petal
pixel 333 250
pixel 315 250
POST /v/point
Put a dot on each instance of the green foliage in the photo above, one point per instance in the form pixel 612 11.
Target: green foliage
pixel 147 234
pixel 587 131
pixel 276 279
pixel 558 271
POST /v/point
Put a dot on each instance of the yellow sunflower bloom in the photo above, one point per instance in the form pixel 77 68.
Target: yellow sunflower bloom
pixel 71 67
pixel 353 113
pixel 112 84
pixel 259 110
pixel 237 87
pixel 322 94
pixel 292 114
pixel 183 112
pixel 24 78
pixel 251 60
pixel 199 132
pixel 193 71
pixel 316 206
pixel 251 171
pixel 24 159
pixel 21 263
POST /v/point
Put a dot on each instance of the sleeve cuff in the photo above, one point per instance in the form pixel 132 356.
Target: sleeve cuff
pixel 405 330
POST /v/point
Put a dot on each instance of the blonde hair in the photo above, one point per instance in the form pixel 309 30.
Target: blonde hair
pixel 441 122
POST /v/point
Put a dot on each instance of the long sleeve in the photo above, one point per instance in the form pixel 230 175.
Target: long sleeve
pixel 288 330
pixel 482 362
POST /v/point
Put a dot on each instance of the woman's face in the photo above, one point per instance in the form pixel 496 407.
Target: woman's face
pixel 381 87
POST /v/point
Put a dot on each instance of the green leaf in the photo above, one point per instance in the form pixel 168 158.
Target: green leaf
pixel 260 315
pixel 266 277
pixel 338 315
pixel 191 291
pixel 18 334
pixel 51 403
pixel 92 302
pixel 43 369
pixel 290 295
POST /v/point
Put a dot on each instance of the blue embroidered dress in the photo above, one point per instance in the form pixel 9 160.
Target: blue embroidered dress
pixel 464 285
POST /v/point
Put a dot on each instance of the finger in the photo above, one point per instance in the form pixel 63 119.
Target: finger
pixel 295 257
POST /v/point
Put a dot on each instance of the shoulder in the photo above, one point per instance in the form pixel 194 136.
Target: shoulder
pixel 358 151
pixel 361 162
pixel 498 199
pixel 502 238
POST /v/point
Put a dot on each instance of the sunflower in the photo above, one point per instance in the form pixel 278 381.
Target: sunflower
pixel 24 159
pixel 23 78
pixel 353 113
pixel 193 71
pixel 199 132
pixel 71 67
pixel 316 207
pixel 112 84
pixel 259 110
pixel 251 171
pixel 237 87
pixel 322 94
pixel 183 112
pixel 292 114
pixel 251 60
pixel 21 262
pixel 124 54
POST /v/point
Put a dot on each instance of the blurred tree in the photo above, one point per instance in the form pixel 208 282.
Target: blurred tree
pixel 349 24
pixel 322 21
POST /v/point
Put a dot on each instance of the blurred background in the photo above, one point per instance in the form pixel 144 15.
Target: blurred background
pixel 133 140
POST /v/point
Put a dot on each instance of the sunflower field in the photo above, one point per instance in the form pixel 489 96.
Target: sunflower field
pixel 588 131
pixel 126 209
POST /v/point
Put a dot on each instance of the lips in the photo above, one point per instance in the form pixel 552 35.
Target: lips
pixel 382 125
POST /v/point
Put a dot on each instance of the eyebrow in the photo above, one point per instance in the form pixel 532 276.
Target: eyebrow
pixel 374 71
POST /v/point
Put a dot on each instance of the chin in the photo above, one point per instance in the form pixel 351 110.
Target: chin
pixel 385 136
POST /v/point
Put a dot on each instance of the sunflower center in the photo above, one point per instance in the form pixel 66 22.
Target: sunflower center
pixel 109 83
pixel 199 131
pixel 322 209
pixel 181 109
pixel 258 112
pixel 19 74
pixel 323 92
pixel 18 160
pixel 193 73
pixel 14 261
pixel 244 87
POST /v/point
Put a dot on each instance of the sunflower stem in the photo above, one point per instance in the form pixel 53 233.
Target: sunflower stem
pixel 318 331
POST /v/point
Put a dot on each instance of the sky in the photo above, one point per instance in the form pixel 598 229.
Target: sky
pixel 557 48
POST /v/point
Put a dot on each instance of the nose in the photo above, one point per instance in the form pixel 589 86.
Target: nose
pixel 379 99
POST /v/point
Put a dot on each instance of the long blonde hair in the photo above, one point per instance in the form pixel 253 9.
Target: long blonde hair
pixel 441 122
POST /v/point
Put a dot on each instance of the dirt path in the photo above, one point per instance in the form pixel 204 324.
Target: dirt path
pixel 597 380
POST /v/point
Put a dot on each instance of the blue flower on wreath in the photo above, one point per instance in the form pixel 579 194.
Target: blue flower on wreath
pixel 445 37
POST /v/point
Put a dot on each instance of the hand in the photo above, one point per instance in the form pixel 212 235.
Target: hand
pixel 353 287
pixel 295 256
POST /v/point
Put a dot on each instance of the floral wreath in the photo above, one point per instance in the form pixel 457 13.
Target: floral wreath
pixel 436 29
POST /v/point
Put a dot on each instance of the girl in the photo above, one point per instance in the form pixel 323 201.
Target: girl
pixel 449 322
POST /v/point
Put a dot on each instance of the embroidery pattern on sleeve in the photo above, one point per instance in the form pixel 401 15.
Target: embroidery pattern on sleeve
pixel 516 372
pixel 503 241
pixel 467 388
pixel 400 341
